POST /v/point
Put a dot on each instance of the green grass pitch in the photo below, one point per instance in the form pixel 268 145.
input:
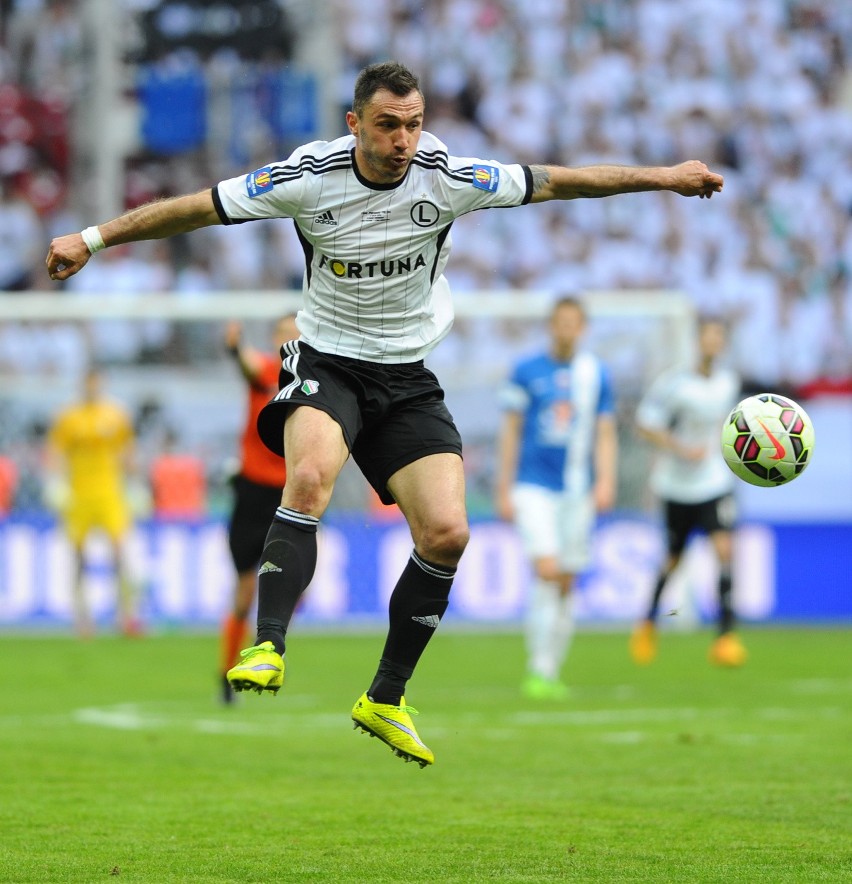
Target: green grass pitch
pixel 118 763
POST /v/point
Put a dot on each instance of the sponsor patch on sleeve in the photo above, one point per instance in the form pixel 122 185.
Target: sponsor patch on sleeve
pixel 486 178
pixel 259 182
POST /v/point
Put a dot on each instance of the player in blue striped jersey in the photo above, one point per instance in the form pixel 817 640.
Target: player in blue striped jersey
pixel 373 211
pixel 556 469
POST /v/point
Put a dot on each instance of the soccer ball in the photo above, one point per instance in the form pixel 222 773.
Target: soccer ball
pixel 767 439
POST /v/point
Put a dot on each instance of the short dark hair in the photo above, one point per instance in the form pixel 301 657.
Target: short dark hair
pixel 705 319
pixel 390 75
pixel 569 301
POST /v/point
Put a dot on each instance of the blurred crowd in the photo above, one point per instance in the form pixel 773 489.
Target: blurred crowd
pixel 760 90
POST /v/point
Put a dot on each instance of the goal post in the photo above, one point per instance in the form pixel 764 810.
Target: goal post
pixel 638 334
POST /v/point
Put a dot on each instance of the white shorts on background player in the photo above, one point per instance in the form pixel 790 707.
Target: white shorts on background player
pixel 553 524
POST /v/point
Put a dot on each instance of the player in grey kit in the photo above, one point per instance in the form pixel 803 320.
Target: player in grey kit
pixel 373 210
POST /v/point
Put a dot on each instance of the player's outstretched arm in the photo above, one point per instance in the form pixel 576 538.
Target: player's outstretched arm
pixel 691 178
pixel 247 358
pixel 606 463
pixel 508 449
pixel 667 441
pixel 68 254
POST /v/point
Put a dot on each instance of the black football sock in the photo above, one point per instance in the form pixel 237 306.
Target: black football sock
pixel 286 568
pixel 417 604
pixel 726 608
pixel 659 586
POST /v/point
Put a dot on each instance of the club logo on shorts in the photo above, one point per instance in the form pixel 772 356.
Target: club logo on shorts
pixel 310 387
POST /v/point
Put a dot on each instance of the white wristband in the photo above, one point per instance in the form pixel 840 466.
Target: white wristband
pixel 93 239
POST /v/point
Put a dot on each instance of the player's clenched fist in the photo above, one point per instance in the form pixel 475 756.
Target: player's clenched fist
pixel 66 255
pixel 693 178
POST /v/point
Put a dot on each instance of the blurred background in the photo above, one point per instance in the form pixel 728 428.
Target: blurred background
pixel 108 104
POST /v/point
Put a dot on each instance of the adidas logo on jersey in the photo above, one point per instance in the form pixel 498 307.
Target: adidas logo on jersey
pixel 325 218
pixel 430 620
pixel 267 567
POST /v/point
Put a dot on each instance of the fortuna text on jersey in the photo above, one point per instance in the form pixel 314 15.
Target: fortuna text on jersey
pixel 371 269
pixel 359 236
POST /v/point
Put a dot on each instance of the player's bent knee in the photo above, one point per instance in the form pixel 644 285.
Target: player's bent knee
pixel 548 569
pixel 444 544
pixel 308 488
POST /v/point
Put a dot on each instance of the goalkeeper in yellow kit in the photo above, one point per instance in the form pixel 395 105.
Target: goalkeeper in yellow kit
pixel 90 453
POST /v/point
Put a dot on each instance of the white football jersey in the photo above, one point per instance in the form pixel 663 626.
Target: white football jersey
pixel 374 253
pixel 693 407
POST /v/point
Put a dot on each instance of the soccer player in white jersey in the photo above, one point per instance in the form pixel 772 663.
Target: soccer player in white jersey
pixel 681 415
pixel 556 468
pixel 373 210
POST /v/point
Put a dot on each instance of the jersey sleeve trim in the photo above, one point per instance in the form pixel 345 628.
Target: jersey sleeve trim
pixel 513 398
pixel 217 203
pixel 529 179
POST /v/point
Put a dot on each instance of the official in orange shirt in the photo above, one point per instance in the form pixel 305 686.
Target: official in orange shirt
pixel 257 485
pixel 8 485
pixel 178 483
pixel 90 453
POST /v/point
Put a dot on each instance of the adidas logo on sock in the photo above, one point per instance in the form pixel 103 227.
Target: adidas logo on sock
pixel 325 218
pixel 268 567
pixel 431 620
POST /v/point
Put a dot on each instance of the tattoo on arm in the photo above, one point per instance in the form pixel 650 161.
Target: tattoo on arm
pixel 540 177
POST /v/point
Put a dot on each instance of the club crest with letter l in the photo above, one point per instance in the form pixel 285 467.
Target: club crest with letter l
pixel 310 387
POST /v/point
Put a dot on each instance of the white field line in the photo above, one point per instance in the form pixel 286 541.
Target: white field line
pixel 128 716
pixel 821 685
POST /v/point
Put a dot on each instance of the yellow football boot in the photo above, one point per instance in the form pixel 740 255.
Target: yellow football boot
pixel 643 643
pixel 728 650
pixel 392 725
pixel 261 669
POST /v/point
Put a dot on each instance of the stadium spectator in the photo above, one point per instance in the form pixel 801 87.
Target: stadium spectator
pixel 374 210
pixel 766 97
pixel 47 45
pixel 90 448
pixel 20 232
pixel 178 482
pixel 127 273
pixel 680 415
pixel 256 485
pixel 556 468
pixel 8 484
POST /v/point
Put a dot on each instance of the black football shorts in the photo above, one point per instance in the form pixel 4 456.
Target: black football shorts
pixel 391 414
pixel 251 516
pixel 706 517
